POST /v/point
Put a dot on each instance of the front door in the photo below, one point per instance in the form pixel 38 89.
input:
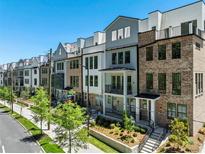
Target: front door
pixel 143 110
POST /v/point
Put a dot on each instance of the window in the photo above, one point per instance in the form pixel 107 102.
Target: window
pixel 74 81
pixel 127 32
pixel 120 33
pixel 44 82
pixel 149 53
pixel 176 83
pixel 149 81
pixel 162 82
pixel 91 80
pixel 86 62
pixel 166 33
pixel 171 110
pixel 176 50
pixel 129 84
pixel 198 46
pixel 199 83
pixel 182 111
pixel 86 80
pixel 154 28
pixel 44 71
pixel 114 58
pixel 26 81
pixel 162 52
pixel 120 57
pixel 26 73
pixel 35 82
pixel 96 81
pixel 96 62
pixel 127 57
pixel 114 35
pixel 60 66
pixel 91 62
pixel 74 64
pixel 35 71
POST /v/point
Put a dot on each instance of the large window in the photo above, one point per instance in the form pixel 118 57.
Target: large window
pixel 60 66
pixel 162 82
pixel 149 81
pixel 44 71
pixel 176 83
pixel 95 62
pixel 26 73
pixel 149 53
pixel 162 52
pixel 96 81
pixel 114 58
pixel 120 57
pixel 91 80
pixel 199 83
pixel 176 50
pixel 127 57
pixel 120 33
pixel 114 35
pixel 35 82
pixel 74 81
pixel 127 32
pixel 171 110
pixel 35 71
pixel 182 111
pixel 74 64
pixel 91 62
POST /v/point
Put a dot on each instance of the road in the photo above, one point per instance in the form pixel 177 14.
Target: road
pixel 14 138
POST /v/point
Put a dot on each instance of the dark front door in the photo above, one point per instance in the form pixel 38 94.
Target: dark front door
pixel 143 110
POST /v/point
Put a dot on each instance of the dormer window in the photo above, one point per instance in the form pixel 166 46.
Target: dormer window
pixel 114 35
pixel 127 32
pixel 96 43
pixel 120 33
pixel 60 51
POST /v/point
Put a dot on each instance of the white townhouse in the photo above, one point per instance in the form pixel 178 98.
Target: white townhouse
pixel 93 59
pixel 1 75
pixel 27 73
pixel 120 72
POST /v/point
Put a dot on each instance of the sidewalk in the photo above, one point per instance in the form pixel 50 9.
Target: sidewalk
pixel 28 114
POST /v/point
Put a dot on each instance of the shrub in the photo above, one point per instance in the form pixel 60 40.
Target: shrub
pixel 93 123
pixel 111 132
pixel 112 126
pixel 142 130
pixel 202 131
pixel 121 134
pixel 127 122
pixel 127 138
pixel 132 141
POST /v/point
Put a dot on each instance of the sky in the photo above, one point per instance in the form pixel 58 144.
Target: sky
pixel 31 27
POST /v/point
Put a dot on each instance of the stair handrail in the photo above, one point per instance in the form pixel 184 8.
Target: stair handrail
pixel 145 138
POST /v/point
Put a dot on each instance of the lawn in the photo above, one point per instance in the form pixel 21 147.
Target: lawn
pixel 104 147
pixel 45 141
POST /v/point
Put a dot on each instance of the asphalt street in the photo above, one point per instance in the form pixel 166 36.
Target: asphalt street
pixel 14 138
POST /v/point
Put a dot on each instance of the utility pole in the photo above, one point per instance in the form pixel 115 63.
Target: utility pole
pixel 49 88
pixel 12 105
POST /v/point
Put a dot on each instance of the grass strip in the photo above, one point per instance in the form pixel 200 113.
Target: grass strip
pixel 44 140
pixel 101 145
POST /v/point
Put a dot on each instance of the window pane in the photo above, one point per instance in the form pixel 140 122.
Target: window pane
pixel 162 52
pixel 171 110
pixel 176 83
pixel 127 32
pixel 96 81
pixel 114 35
pixel 114 58
pixel 127 57
pixel 96 62
pixel 162 82
pixel 91 62
pixel 182 111
pixel 120 34
pixel 149 53
pixel 86 62
pixel 91 80
pixel 120 58
pixel 149 81
pixel 176 50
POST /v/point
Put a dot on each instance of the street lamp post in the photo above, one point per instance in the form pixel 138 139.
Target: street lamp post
pixel 49 89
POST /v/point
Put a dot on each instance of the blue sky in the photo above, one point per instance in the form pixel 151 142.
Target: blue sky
pixel 31 27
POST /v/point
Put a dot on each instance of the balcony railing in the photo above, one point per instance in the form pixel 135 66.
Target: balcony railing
pixel 116 90
pixel 177 31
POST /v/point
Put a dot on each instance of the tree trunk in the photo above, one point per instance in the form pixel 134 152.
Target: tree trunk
pixel 41 125
pixel 70 140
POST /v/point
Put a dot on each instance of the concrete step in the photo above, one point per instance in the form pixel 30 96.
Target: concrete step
pixel 148 147
pixel 146 151
pixel 152 141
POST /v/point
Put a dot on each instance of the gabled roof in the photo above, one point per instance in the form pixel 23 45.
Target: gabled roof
pixel 118 19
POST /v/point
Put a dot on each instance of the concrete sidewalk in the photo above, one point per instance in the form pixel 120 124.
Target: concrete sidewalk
pixel 25 112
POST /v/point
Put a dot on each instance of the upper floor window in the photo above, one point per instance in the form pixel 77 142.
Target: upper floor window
pixel 149 53
pixel 91 62
pixel 44 71
pixel 120 58
pixel 176 83
pixel 60 66
pixel 96 81
pixel 199 83
pixel 120 33
pixel 114 58
pixel 176 50
pixel 86 62
pixel 162 52
pixel 149 81
pixel 162 82
pixel 35 71
pixel 95 62
pixel 127 57
pixel 114 35
pixel 74 81
pixel 74 64
pixel 35 82
pixel 127 32
pixel 26 73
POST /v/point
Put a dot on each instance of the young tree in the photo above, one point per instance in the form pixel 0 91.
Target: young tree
pixel 70 117
pixel 41 106
pixel 25 94
pixel 127 122
pixel 179 132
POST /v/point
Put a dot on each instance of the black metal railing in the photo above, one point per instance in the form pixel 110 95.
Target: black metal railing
pixel 113 89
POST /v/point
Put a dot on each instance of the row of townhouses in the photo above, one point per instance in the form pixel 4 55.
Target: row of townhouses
pixel 153 68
